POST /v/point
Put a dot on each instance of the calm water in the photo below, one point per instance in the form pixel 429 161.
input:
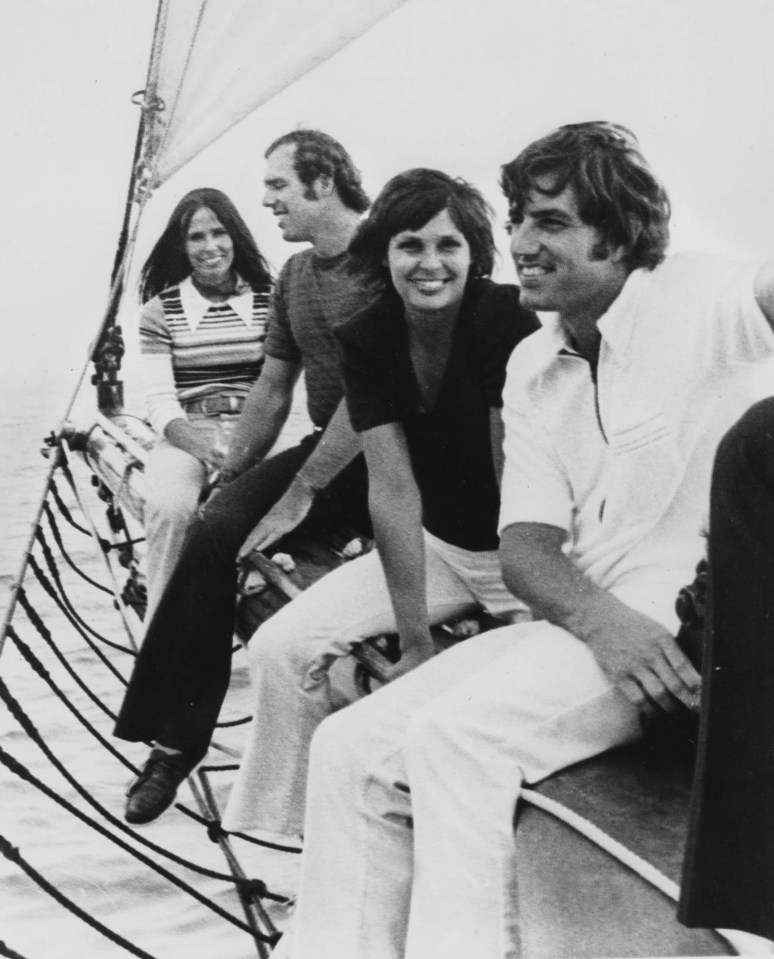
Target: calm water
pixel 101 878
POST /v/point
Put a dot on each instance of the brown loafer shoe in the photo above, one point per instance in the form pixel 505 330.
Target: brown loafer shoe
pixel 155 788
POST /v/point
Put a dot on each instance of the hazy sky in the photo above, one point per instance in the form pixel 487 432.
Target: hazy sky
pixel 458 84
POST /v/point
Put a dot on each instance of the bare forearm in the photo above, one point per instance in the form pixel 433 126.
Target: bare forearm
pixel 397 522
pixel 197 443
pixel 265 412
pixel 638 653
pixel 337 448
pixel 537 571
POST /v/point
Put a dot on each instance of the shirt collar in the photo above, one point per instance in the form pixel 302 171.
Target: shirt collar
pixel 195 305
pixel 619 322
pixel 616 325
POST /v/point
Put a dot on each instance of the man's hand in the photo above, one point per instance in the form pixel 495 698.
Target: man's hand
pixel 637 653
pixel 644 661
pixel 283 517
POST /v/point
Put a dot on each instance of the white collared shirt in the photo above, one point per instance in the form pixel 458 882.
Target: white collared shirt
pixel 624 466
pixel 195 305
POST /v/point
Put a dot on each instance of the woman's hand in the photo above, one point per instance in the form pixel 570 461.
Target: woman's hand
pixel 413 654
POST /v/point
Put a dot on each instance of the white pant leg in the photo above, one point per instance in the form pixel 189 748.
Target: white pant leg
pixel 173 484
pixel 461 732
pixel 289 658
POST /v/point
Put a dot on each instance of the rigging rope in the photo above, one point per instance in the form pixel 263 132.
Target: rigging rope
pixel 68 559
pixel 250 891
pixel 37 621
pixel 63 601
pixel 45 582
pixel 25 722
pixel 120 606
pixel 63 508
pixel 13 855
pixel 16 585
pixel 9 953
pixel 23 773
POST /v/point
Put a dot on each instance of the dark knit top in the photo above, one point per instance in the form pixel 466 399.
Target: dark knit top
pixel 449 445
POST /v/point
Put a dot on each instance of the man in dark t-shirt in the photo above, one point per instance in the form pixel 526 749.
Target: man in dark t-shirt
pixel 182 671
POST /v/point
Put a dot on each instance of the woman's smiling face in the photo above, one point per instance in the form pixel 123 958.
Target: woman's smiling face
pixel 209 248
pixel 429 267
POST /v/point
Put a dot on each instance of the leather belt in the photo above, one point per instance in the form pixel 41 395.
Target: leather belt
pixel 214 405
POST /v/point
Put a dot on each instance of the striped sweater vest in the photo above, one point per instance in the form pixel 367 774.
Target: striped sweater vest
pixel 223 352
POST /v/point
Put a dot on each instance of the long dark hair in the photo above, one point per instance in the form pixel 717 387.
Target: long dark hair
pixel 168 263
pixel 409 201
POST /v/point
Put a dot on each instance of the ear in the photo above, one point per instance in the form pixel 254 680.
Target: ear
pixel 620 253
pixel 323 185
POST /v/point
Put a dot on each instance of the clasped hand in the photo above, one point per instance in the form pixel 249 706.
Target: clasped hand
pixel 643 659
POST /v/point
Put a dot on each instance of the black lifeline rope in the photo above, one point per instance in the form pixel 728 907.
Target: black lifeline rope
pixel 230 723
pixel 13 855
pixel 23 773
pixel 37 666
pixel 24 721
pixel 68 559
pixel 64 509
pixel 67 607
pixel 250 891
pixel 104 544
pixel 45 634
pixel 9 953
pixel 213 827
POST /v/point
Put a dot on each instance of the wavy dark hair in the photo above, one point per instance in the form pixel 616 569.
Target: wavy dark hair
pixel 409 201
pixel 168 263
pixel 318 154
pixel 616 190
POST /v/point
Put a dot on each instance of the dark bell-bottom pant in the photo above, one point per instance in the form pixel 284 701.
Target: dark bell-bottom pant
pixel 182 671
pixel 728 879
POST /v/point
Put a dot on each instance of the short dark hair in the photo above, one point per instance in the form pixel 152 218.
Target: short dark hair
pixel 615 188
pixel 168 263
pixel 318 154
pixel 409 201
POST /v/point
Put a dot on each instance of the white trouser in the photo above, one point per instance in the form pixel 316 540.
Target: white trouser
pixel 290 656
pixel 446 749
pixel 173 484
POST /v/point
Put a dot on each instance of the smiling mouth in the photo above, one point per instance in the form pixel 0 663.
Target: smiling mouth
pixel 429 286
pixel 529 270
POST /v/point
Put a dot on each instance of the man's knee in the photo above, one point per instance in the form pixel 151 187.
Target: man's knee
pixel 341 744
pixel 277 648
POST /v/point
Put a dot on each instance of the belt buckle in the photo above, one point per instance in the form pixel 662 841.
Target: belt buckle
pixel 233 403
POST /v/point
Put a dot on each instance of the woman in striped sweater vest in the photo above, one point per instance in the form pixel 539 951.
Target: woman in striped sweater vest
pixel 205 289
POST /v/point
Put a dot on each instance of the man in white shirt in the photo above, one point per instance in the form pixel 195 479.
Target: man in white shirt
pixel 612 414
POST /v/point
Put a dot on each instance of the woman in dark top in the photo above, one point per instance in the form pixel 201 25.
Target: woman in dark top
pixel 424 368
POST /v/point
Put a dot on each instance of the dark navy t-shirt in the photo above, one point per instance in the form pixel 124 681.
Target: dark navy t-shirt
pixel 449 445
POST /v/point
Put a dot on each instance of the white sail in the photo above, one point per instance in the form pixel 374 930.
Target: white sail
pixel 215 61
